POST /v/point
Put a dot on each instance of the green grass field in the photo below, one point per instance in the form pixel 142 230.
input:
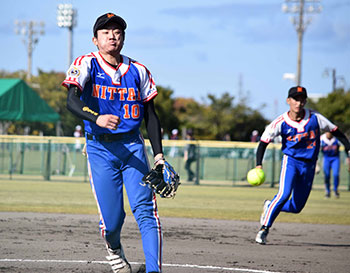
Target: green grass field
pixel 225 202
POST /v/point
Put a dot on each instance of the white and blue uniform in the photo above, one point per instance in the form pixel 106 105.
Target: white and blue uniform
pixel 120 91
pixel 331 161
pixel 300 145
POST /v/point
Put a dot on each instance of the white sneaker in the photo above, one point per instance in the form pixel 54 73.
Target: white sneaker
pixel 266 204
pixel 261 236
pixel 117 260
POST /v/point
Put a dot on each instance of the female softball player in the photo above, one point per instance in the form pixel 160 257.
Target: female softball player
pixel 113 94
pixel 300 131
pixel 331 162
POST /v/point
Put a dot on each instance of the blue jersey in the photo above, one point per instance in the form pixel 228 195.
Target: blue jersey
pixel 119 91
pixel 329 147
pixel 300 140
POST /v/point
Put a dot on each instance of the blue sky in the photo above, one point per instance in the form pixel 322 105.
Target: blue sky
pixel 196 47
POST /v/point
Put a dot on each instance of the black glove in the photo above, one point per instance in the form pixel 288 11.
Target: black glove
pixel 163 179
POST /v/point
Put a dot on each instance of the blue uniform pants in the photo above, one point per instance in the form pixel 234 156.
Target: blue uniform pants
pixel 331 163
pixel 294 189
pixel 112 164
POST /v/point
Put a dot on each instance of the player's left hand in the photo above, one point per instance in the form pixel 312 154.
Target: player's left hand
pixel 317 168
pixel 83 151
pixel 163 180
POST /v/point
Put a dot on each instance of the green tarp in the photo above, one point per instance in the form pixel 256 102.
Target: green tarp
pixel 20 102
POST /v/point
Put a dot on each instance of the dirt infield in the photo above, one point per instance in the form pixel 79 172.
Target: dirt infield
pixel 31 242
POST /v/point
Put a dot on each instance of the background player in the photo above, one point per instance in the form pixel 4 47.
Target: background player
pixel 113 94
pixel 300 132
pixel 189 155
pixel 331 161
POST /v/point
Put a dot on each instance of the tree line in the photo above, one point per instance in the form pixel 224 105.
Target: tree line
pixel 214 118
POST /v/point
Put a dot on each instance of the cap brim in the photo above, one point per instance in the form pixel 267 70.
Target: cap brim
pixel 296 95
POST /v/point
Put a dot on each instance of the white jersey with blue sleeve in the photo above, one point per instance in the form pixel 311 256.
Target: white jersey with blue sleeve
pixel 329 147
pixel 300 139
pixel 120 91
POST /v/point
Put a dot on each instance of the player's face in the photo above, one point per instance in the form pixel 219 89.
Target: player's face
pixel 329 135
pixel 110 39
pixel 297 104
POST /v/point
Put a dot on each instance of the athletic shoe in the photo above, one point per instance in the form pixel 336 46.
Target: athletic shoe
pixel 117 260
pixel 336 194
pixel 261 236
pixel 266 204
pixel 142 269
pixel 327 195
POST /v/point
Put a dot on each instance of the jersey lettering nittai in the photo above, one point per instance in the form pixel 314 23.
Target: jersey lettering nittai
pixel 107 90
pixel 121 91
pixel 300 145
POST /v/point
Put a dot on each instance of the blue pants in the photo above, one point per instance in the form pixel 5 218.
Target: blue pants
pixel 294 189
pixel 331 163
pixel 112 164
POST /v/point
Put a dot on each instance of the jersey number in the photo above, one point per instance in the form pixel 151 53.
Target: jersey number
pixel 311 144
pixel 134 112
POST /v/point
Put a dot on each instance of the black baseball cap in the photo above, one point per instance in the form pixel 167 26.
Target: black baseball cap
pixel 296 91
pixel 105 19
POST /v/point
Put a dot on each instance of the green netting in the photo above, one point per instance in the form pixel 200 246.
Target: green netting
pixel 216 165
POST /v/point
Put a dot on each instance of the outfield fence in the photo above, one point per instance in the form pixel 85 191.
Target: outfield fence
pixel 217 162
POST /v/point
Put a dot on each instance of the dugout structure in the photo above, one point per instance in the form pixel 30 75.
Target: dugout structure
pixel 217 163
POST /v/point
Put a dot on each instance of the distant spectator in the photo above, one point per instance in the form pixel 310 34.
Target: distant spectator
pixel 78 133
pixel 164 134
pixel 227 137
pixel 255 136
pixel 189 155
pixel 174 134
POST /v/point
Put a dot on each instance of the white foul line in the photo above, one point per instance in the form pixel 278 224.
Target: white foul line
pixel 164 265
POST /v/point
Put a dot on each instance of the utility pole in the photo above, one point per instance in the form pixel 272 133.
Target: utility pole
pixel 335 78
pixel 67 17
pixel 300 8
pixel 29 32
pixel 240 88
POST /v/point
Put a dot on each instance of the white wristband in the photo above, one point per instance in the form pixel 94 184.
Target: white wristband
pixel 158 160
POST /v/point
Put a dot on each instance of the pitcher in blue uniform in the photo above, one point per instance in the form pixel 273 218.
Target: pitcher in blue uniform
pixel 300 130
pixel 113 94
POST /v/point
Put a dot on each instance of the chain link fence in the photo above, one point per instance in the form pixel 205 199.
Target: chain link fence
pixel 215 162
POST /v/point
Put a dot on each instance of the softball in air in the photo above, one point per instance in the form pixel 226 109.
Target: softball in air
pixel 256 177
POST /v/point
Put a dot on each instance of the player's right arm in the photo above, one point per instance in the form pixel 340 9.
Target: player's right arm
pixel 81 110
pixel 271 131
pixel 260 154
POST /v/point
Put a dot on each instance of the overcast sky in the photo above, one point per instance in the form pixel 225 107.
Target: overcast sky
pixel 197 47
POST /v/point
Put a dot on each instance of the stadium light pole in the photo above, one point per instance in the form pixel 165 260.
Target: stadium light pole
pixel 30 32
pixel 67 17
pixel 300 8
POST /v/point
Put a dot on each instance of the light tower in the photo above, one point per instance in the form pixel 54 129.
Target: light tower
pixel 67 17
pixel 30 32
pixel 301 8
